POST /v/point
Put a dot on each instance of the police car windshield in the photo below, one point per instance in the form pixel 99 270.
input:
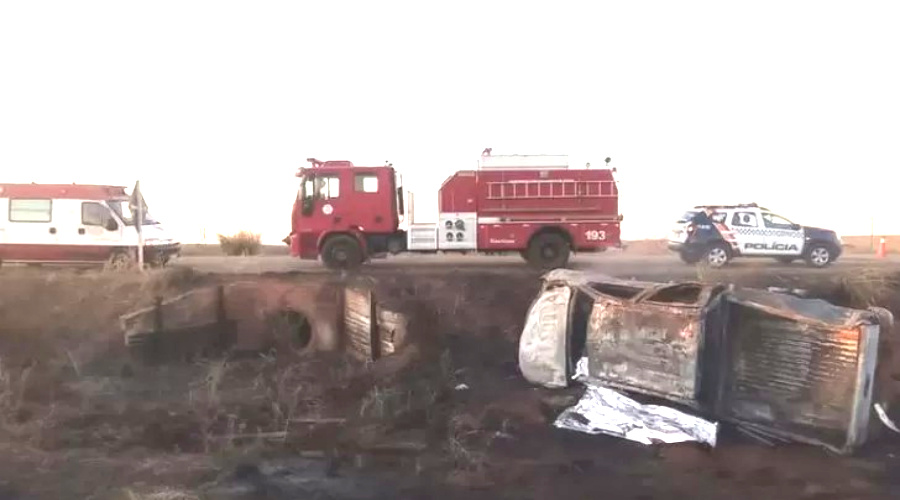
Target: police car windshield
pixel 687 216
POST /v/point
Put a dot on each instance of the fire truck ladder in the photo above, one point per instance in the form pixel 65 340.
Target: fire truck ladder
pixel 550 189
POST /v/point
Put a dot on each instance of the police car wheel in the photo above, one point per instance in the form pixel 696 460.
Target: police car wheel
pixel 717 256
pixel 819 255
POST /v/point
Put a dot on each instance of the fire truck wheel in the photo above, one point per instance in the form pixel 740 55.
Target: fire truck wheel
pixel 548 251
pixel 342 252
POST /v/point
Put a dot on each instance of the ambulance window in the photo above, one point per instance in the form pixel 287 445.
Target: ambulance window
pixel 366 183
pixel 30 210
pixel 327 187
pixel 94 214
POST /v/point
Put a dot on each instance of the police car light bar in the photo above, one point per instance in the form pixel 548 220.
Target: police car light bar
pixel 740 205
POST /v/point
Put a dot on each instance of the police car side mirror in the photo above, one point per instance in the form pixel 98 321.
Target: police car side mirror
pixel 111 225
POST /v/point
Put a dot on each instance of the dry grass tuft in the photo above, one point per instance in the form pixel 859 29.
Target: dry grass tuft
pixel 868 287
pixel 241 244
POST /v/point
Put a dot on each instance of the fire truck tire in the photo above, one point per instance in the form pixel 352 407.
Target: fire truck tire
pixel 342 252
pixel 548 251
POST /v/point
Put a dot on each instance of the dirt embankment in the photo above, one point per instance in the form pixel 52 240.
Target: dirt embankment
pixel 447 417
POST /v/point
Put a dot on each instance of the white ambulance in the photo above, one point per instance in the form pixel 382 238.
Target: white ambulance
pixel 76 224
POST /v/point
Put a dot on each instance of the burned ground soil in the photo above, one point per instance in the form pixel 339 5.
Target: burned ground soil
pixel 447 416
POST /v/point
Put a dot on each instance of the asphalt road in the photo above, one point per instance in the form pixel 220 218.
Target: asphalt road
pixel 613 263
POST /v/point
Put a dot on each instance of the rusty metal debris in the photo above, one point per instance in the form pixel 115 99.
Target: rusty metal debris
pixel 780 366
pixel 262 314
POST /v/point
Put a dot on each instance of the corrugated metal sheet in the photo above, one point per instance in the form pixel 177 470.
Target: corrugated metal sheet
pixel 799 369
pixel 359 329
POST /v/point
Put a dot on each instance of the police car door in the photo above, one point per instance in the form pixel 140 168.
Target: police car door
pixel 750 237
pixel 783 237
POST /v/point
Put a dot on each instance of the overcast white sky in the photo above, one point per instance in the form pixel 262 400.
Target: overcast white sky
pixel 214 104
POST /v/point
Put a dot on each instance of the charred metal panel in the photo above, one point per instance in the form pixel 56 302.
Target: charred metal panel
pixel 649 340
pixel 251 315
pixel 189 325
pixel 391 329
pixel 797 368
pixel 544 344
pixel 359 325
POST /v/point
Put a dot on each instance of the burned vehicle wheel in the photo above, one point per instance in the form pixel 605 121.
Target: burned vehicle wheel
pixel 548 251
pixel 120 261
pixel 342 252
pixel 717 256
pixel 819 255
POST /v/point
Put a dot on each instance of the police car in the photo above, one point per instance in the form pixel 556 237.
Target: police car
pixel 749 230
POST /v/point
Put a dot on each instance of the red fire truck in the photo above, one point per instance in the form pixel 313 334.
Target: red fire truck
pixel 534 205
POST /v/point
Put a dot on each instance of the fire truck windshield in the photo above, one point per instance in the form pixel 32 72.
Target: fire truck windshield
pixel 307 190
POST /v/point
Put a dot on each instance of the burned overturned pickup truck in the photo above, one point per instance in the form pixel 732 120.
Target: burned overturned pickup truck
pixel 778 366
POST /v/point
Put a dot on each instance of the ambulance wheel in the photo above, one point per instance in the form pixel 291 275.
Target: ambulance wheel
pixel 717 255
pixel 819 255
pixel 548 251
pixel 120 261
pixel 342 252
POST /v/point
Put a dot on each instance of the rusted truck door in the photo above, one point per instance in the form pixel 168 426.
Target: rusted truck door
pixel 649 340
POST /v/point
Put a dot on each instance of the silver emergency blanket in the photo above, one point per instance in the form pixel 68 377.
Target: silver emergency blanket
pixel 602 410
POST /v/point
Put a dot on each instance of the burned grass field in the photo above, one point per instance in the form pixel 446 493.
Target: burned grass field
pixel 448 415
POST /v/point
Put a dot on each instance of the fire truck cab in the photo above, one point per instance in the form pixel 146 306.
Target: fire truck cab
pixel 346 214
pixel 533 205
